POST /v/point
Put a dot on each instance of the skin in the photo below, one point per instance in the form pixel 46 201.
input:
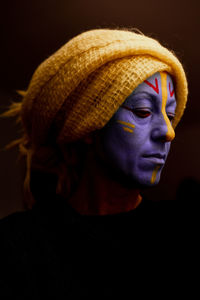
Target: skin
pixel 136 141
pixel 129 153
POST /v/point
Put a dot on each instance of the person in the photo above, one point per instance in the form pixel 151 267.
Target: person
pixel 98 119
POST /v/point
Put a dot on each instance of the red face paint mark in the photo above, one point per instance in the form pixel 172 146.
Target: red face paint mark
pixel 154 87
pixel 170 92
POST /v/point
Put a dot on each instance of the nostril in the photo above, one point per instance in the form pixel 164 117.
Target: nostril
pixel 163 134
pixel 159 133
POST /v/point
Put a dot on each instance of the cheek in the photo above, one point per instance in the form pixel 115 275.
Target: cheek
pixel 122 142
pixel 126 126
pixel 122 138
pixel 115 143
pixel 127 131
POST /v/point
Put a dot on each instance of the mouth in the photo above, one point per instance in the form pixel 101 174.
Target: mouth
pixel 157 158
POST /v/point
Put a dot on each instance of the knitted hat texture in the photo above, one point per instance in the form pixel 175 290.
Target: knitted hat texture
pixel 79 88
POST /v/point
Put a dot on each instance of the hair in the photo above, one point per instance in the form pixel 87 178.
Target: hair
pixel 62 165
pixel 57 167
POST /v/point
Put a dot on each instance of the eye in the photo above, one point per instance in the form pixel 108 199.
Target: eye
pixel 139 112
pixel 142 113
pixel 170 117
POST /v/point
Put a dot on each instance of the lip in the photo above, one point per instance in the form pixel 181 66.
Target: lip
pixel 157 158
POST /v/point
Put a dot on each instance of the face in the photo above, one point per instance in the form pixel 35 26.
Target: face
pixel 136 141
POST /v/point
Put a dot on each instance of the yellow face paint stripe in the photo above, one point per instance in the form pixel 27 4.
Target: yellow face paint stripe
pixel 126 123
pixel 170 131
pixel 153 177
pixel 128 129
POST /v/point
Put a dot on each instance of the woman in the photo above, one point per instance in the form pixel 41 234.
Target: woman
pixel 98 119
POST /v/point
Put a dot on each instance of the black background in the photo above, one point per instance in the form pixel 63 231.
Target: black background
pixel 30 31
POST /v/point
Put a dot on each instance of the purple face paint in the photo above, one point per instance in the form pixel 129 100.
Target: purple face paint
pixel 136 141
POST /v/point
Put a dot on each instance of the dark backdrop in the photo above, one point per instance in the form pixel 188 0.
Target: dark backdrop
pixel 32 30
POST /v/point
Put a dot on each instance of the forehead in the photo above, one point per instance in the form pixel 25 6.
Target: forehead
pixel 156 84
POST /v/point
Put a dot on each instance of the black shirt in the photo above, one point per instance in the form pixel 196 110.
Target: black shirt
pixel 52 250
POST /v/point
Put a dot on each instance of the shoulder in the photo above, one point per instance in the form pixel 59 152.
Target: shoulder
pixel 16 218
pixel 15 223
pixel 29 252
pixel 26 236
pixel 14 231
pixel 13 250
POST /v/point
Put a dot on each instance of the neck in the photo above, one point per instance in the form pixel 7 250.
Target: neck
pixel 99 194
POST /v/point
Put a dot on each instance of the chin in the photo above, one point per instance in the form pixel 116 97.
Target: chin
pixel 145 181
pixel 132 182
pixel 148 184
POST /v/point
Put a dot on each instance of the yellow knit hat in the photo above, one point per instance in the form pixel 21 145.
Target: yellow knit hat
pixel 79 88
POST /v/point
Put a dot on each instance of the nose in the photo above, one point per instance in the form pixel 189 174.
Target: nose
pixel 163 130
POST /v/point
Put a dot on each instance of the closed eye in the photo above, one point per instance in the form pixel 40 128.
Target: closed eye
pixel 171 117
pixel 142 113
pixel 139 112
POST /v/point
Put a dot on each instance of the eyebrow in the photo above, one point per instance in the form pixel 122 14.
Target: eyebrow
pixel 171 102
pixel 149 94
pixel 152 97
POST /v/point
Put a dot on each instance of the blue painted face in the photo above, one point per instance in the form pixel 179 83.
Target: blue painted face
pixel 136 141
